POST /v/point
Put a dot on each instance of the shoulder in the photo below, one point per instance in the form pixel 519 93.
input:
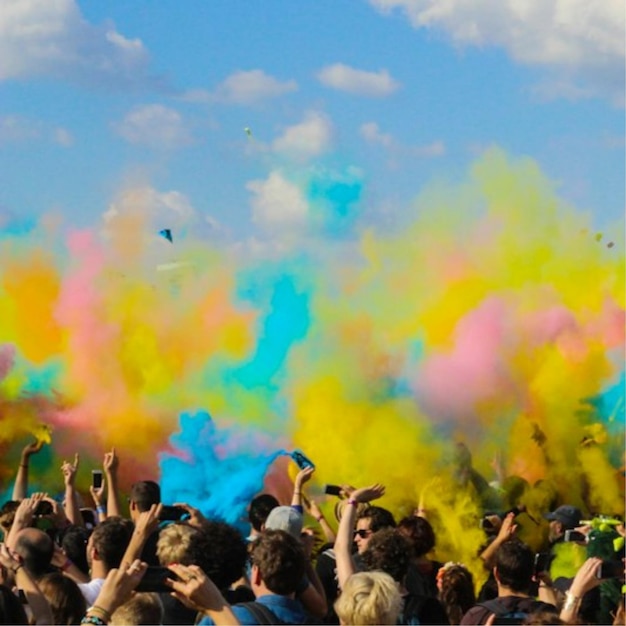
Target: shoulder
pixel 476 615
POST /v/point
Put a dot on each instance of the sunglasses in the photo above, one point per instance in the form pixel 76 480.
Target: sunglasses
pixel 364 534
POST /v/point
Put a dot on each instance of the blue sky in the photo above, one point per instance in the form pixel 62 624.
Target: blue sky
pixel 108 103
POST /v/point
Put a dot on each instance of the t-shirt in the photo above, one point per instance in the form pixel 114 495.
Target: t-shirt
pixel 285 609
pixel 480 613
pixel 91 590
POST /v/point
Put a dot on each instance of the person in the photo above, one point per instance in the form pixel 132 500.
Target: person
pixel 455 585
pixel 35 549
pixel 11 609
pixel 369 521
pixel 140 609
pixel 369 598
pixel 260 507
pixel 144 495
pixel 278 566
pixel 66 601
pixel 565 517
pixel 513 572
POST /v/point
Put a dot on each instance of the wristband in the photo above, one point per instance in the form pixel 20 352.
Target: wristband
pixel 17 569
pixel 572 602
pixel 103 613
pixel 100 509
pixel 93 619
pixel 353 502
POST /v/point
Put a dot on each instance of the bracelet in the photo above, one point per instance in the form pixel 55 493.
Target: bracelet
pixel 24 465
pixel 103 612
pixel 93 619
pixel 100 509
pixel 297 493
pixel 17 569
pixel 66 565
pixel 319 518
pixel 572 602
pixel 353 502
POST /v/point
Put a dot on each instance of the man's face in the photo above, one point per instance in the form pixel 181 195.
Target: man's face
pixel 363 533
pixel 556 530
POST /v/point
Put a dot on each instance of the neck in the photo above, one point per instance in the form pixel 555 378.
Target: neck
pixel 98 570
pixel 504 592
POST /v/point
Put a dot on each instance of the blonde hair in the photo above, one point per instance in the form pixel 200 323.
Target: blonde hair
pixel 369 598
pixel 142 608
pixel 174 544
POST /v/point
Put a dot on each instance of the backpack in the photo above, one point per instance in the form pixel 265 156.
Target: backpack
pixel 514 614
pixel 263 615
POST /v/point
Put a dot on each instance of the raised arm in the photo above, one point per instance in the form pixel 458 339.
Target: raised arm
pixel 110 465
pixel 584 581
pixel 316 512
pixel 507 530
pixel 302 477
pixel 20 488
pixel 146 524
pixel 23 517
pixel 343 544
pixel 72 509
pixel 97 495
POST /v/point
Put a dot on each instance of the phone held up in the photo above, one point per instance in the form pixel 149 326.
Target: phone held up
pixel 154 580
pixel 301 460
pixel 96 479
pixel 332 490
pixel 171 513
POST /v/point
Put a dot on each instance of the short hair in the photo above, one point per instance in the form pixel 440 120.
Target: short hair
pixel 456 593
pixel 420 534
pixel 11 609
pixel 36 549
pixel 144 494
pixel 541 618
pixel 74 544
pixel 175 544
pixel 379 518
pixel 7 515
pixel 281 561
pixel 260 508
pixel 110 539
pixel 369 598
pixel 66 600
pixel 514 565
pixel 390 552
pixel 219 549
pixel 142 608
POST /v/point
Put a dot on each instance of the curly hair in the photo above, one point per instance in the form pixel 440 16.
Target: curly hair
pixel 456 591
pixel 420 534
pixel 389 552
pixel 379 518
pixel 175 544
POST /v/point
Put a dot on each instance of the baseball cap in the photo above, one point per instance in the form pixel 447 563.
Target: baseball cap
pixel 285 518
pixel 568 515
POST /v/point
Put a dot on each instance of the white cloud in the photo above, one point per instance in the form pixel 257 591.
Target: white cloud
pixel 277 203
pixel 371 132
pixel 581 39
pixel 51 38
pixel 166 206
pixel 247 87
pixel 346 78
pixel 309 138
pixel 19 129
pixel 63 137
pixel 154 125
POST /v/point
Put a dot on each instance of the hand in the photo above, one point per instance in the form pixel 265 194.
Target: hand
pixel 586 578
pixel 312 508
pixel 98 493
pixel 69 471
pixel 119 585
pixel 508 528
pixel 59 558
pixel 26 510
pixel 9 559
pixel 111 462
pixel 58 512
pixel 30 449
pixel 148 521
pixel 303 476
pixel 346 491
pixel 195 517
pixel 195 589
pixel 307 536
pixel 367 494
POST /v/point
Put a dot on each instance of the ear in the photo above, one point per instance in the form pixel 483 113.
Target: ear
pixel 255 576
pixel 495 574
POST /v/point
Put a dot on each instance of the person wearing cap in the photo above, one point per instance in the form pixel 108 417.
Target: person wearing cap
pixel 565 517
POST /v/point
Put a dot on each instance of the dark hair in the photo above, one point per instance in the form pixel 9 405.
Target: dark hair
pixel 420 534
pixel 144 494
pixel 457 592
pixel 7 514
pixel 281 561
pixel 260 508
pixel 220 550
pixel 390 552
pixel 110 540
pixel 65 598
pixel 379 518
pixel 541 618
pixel 36 549
pixel 514 565
pixel 74 544
pixel 11 609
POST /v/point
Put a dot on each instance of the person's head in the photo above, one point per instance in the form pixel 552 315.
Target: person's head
pixel 285 518
pixel 456 590
pixel 389 552
pixel 220 550
pixel 514 566
pixel 370 521
pixel 420 534
pixel 35 549
pixel 369 598
pixel 66 600
pixel 11 609
pixel 143 495
pixel 74 544
pixel 260 508
pixel 108 542
pixel 565 517
pixel 544 618
pixel 7 515
pixel 278 563
pixel 142 608
pixel 175 544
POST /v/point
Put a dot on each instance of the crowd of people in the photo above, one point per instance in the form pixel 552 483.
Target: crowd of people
pixel 63 563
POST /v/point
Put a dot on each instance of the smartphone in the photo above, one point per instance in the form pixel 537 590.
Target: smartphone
pixel 171 513
pixel 332 490
pixel 96 479
pixel 301 460
pixel 610 569
pixel 43 508
pixel 154 580
pixel 574 535
pixel 542 562
pixel 485 524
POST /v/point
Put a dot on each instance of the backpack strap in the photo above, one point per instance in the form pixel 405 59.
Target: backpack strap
pixel 494 606
pixel 261 614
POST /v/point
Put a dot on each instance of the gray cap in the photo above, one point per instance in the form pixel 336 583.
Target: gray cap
pixel 568 515
pixel 285 518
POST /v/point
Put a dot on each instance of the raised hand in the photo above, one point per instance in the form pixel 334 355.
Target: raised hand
pixel 30 449
pixel 195 516
pixel 367 494
pixel 111 462
pixel 195 589
pixel 70 470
